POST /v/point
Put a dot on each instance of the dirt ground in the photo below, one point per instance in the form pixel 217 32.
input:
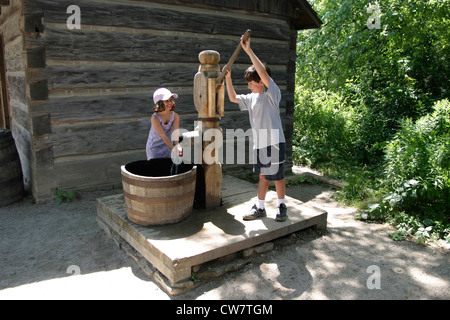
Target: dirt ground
pixel 51 251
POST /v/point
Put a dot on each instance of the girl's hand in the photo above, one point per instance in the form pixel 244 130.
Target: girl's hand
pixel 177 154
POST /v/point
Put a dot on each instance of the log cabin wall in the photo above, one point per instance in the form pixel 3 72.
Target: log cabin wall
pixel 90 89
pixel 14 89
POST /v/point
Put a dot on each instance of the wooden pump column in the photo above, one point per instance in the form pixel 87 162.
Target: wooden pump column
pixel 209 102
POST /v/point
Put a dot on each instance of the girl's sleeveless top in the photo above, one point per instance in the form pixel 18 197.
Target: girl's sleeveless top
pixel 156 148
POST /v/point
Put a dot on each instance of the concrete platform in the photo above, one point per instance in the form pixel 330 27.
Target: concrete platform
pixel 207 234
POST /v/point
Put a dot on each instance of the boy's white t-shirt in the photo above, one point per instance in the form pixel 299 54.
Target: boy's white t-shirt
pixel 264 114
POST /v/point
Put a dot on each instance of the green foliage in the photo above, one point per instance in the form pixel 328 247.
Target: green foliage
pixel 411 48
pixel 62 196
pixel 358 186
pixel 421 150
pixel 300 180
pixel 320 130
pixel 371 109
pixel 417 177
pixel 385 75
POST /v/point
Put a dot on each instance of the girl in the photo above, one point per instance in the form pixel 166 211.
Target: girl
pixel 164 122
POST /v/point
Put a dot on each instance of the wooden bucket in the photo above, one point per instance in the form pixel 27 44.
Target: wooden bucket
pixel 11 176
pixel 153 196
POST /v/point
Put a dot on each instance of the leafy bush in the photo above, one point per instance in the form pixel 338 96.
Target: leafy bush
pixel 62 196
pixel 320 128
pixel 417 178
pixel 377 111
pixel 325 138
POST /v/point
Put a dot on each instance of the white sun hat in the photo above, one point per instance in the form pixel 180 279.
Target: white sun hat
pixel 163 94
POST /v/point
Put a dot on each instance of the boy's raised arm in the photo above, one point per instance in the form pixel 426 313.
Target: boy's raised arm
pixel 259 66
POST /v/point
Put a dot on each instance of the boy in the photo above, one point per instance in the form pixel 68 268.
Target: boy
pixel 263 105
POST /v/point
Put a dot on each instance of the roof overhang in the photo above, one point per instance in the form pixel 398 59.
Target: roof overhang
pixel 304 16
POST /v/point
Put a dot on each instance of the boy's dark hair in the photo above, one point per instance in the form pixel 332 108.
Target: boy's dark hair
pixel 252 75
pixel 159 107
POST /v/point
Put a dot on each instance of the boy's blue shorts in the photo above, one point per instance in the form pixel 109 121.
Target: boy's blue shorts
pixel 270 162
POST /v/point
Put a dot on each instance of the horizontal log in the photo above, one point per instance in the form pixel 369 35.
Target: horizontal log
pixel 63 44
pixel 93 171
pixel 103 137
pixel 16 86
pixel 103 108
pixel 13 55
pixel 260 7
pixel 107 107
pixel 160 17
pixel 132 75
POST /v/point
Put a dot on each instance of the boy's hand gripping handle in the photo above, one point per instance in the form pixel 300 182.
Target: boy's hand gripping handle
pixel 232 59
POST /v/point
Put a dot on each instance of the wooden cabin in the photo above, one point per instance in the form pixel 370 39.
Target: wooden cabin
pixel 79 100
